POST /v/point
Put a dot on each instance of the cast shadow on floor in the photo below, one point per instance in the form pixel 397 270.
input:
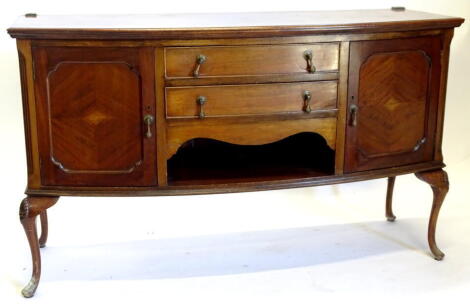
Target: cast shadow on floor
pixel 233 253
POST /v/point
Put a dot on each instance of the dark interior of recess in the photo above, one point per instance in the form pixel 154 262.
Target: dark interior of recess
pixel 203 161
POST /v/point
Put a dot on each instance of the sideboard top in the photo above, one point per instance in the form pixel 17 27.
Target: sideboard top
pixel 215 25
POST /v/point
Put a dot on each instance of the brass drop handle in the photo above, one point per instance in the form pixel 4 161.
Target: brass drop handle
pixel 148 120
pixel 353 109
pixel 200 59
pixel 308 55
pixel 307 99
pixel 201 100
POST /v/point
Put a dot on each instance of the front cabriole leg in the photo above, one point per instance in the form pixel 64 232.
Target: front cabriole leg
pixel 30 208
pixel 439 183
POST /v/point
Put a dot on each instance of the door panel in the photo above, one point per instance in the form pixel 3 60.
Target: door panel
pixel 91 104
pixel 393 95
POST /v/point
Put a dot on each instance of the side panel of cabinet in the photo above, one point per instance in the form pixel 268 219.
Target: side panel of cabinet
pixel 91 103
pixel 392 104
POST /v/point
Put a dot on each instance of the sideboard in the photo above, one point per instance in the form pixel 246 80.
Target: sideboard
pixel 150 105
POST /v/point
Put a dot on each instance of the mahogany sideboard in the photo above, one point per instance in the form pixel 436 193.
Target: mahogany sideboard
pixel 150 105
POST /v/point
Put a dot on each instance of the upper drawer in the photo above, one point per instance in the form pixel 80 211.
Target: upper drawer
pixel 260 99
pixel 182 62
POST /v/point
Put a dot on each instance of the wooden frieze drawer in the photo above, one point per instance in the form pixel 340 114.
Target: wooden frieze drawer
pixel 258 99
pixel 190 62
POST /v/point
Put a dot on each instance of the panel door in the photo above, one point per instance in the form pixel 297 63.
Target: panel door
pixel 91 104
pixel 392 105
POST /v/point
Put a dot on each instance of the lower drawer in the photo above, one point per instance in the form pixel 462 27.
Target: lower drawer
pixel 252 99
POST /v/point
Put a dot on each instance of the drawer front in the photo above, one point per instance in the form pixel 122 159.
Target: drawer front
pixel 232 100
pixel 182 62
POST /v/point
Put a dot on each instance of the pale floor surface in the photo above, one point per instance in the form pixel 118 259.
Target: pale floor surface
pixel 328 245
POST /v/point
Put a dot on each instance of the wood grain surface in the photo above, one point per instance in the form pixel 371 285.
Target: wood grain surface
pixel 395 86
pixel 250 60
pixel 220 25
pixel 250 99
pixel 252 133
pixel 91 103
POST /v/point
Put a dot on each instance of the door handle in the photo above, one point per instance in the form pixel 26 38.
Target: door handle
pixel 353 109
pixel 148 120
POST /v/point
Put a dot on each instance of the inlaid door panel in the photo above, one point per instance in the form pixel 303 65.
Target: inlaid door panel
pixel 91 105
pixel 392 107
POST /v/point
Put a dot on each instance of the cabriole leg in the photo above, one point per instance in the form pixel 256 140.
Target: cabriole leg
pixel 388 203
pixel 44 229
pixel 439 183
pixel 30 208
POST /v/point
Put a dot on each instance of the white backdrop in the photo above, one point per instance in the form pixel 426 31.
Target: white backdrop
pixel 311 245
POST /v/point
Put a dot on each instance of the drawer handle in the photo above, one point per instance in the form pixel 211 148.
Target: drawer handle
pixel 200 59
pixel 308 55
pixel 353 109
pixel 307 99
pixel 201 100
pixel 148 120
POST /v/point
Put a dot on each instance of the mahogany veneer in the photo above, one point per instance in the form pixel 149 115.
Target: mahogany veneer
pixel 208 103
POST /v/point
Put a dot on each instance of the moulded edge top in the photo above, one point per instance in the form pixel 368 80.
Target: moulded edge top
pixel 218 25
